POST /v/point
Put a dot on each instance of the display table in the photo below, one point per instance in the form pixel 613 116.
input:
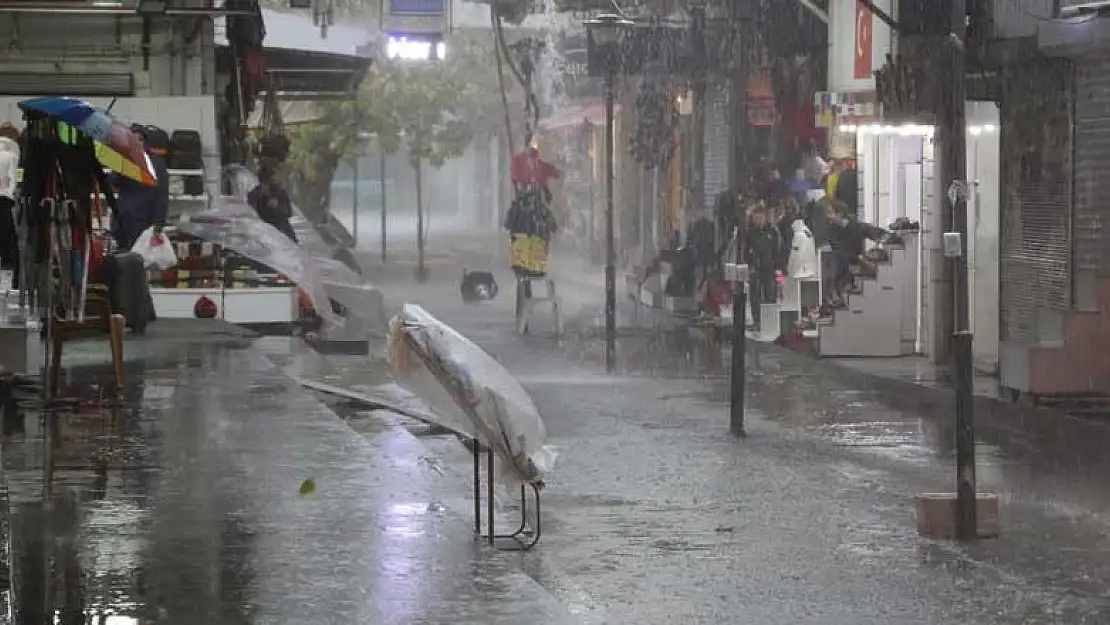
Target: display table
pixel 273 304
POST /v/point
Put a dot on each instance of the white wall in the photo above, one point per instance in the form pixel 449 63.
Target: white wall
pixel 169 113
pixel 983 228
pixel 842 41
pixel 890 177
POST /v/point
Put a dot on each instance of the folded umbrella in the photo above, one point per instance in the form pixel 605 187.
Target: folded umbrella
pixel 118 147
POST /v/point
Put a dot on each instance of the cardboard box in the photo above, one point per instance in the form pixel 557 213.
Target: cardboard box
pixel 936 515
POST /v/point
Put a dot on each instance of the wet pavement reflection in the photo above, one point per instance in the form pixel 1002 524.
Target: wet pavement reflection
pixel 180 503
pixel 655 514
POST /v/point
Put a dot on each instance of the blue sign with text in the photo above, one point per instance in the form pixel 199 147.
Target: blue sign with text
pixel 418 7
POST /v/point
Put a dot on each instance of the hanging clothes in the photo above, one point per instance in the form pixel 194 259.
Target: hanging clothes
pixel 9 171
pixel 803 253
pixel 531 225
pixel 528 168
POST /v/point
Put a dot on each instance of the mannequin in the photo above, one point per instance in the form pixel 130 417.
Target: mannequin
pixel 803 253
pixel 9 167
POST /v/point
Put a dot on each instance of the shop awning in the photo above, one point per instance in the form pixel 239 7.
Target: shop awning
pixel 591 113
pixel 302 65
pixel 1074 36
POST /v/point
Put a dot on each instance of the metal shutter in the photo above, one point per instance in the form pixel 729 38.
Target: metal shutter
pixel 87 85
pixel 716 144
pixel 1035 260
pixel 1092 157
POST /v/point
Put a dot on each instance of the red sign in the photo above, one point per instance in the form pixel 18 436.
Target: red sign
pixel 862 48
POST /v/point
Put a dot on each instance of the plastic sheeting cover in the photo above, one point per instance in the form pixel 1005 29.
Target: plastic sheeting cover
pixel 469 391
pixel 233 224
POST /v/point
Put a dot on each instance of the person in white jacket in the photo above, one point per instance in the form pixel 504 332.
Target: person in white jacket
pixel 9 168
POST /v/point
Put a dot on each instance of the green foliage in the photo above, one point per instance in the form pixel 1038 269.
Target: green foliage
pixel 316 146
pixel 424 109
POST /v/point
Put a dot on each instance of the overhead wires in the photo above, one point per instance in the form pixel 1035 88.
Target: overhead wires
pixel 504 57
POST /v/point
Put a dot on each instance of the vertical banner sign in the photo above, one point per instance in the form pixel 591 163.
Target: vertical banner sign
pixel 864 32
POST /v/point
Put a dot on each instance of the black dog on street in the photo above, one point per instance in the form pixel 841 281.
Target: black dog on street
pixel 477 286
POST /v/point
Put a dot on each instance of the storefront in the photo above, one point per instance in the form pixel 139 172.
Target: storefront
pixel 896 187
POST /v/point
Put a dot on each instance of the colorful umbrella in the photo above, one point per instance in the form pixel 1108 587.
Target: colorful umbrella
pixel 118 147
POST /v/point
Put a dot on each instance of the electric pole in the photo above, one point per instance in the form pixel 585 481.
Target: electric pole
pixel 740 15
pixel 951 128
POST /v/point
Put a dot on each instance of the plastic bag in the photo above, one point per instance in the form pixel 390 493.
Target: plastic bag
pixel 155 250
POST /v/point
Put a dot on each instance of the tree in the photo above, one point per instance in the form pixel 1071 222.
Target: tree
pixel 425 108
pixel 316 150
pixel 421 108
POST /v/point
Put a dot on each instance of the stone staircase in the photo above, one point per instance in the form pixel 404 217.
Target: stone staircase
pixel 880 317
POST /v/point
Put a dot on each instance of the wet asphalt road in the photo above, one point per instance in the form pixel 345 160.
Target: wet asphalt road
pixel 656 514
pixel 185 506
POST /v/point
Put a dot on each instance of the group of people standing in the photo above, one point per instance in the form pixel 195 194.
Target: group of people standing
pixel 778 226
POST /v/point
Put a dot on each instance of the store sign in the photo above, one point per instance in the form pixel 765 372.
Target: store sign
pixel 574 67
pixel 863 42
pixel 415 47
pixel 423 8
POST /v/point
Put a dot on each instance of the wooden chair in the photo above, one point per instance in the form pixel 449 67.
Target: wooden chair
pixel 99 319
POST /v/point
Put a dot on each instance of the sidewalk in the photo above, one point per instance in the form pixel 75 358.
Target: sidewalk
pixel 184 507
pixel 655 514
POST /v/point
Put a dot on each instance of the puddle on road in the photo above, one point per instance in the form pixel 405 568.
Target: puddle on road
pixel 872 434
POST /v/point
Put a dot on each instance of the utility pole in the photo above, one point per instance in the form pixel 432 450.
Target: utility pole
pixel 951 131
pixel 696 181
pixel 740 14
pixel 381 188
pixel 354 207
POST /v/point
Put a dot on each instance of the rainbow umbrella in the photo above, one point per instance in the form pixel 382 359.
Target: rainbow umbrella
pixel 117 146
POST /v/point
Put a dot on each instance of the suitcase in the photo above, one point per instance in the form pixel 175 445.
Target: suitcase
pixel 185 150
pixel 129 290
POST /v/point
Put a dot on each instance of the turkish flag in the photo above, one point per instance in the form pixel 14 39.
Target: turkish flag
pixel 864 31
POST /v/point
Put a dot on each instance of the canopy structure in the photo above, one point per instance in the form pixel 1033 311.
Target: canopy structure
pixel 302 65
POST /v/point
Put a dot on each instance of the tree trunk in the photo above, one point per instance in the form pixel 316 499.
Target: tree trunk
pixel 312 196
pixel 421 272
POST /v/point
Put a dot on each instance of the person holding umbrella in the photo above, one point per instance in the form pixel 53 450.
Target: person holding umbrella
pixel 140 206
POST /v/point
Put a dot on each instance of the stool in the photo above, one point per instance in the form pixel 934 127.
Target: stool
pixel 524 305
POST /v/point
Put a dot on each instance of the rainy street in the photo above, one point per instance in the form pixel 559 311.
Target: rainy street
pixel 263 359
pixel 188 502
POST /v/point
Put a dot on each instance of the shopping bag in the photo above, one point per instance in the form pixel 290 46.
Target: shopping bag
pixel 155 250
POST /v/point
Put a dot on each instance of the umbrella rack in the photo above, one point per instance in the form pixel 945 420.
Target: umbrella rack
pixel 522 538
pixel 54 223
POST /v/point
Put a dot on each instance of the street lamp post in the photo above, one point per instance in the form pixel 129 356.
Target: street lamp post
pixel 606 36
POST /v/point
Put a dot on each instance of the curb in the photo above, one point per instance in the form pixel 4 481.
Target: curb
pixel 997 421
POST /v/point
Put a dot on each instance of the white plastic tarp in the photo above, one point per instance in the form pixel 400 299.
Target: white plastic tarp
pixel 235 226
pixel 232 223
pixel 468 391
